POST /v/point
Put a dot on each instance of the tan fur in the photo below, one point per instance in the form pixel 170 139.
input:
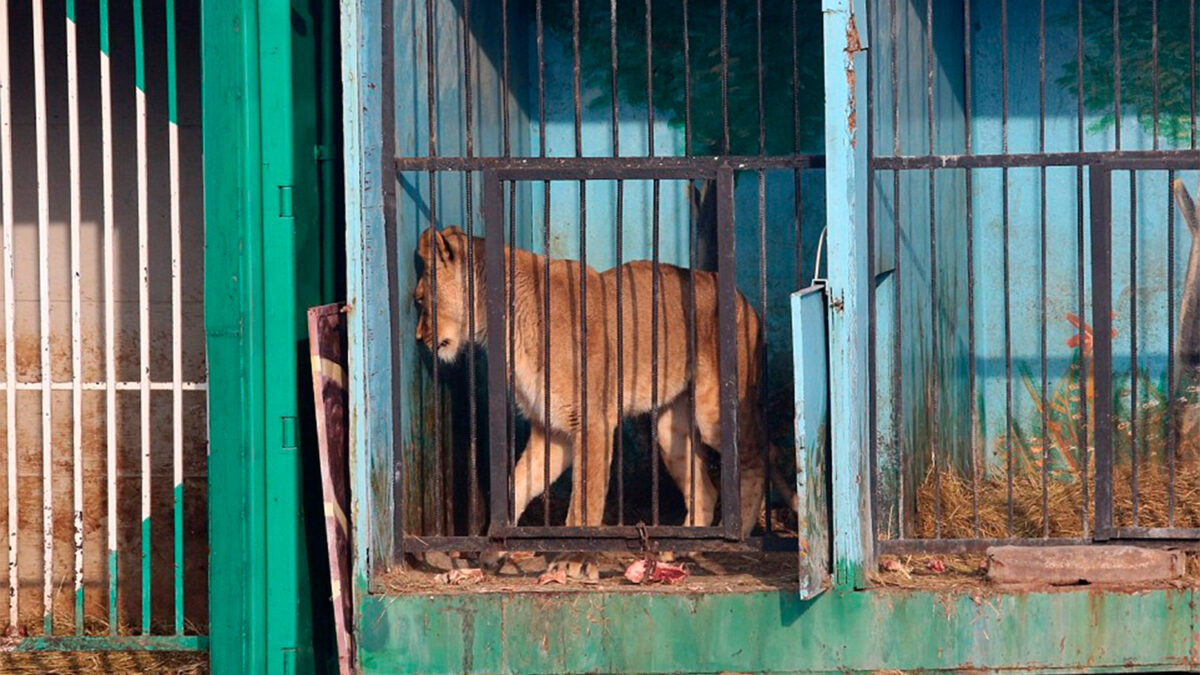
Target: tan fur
pixel 571 441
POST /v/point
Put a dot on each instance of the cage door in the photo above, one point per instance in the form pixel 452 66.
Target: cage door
pixel 1143 389
pixel 811 363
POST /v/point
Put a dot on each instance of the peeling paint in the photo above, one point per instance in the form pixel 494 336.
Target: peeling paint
pixel 853 47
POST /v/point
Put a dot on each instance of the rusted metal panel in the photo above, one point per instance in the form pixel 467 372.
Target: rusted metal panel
pixel 1062 565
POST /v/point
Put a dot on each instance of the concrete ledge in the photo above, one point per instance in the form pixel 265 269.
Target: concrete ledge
pixel 1066 565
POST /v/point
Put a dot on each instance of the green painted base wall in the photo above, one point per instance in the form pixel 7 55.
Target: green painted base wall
pixel 774 632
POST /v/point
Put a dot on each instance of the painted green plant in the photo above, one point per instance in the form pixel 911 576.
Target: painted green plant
pixel 780 115
pixel 1157 43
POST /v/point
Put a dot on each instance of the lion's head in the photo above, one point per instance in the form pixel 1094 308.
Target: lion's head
pixel 447 250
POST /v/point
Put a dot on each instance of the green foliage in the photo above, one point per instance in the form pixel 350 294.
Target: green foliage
pixel 780 110
pixel 1135 31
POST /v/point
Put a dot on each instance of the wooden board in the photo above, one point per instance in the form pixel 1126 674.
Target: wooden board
pixel 327 348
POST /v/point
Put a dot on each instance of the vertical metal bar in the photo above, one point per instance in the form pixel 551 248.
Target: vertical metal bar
pixel 546 362
pixel 472 396
pixel 797 188
pixel 897 385
pixel 1008 424
pixel 654 349
pixel 1192 64
pixel 1172 425
pixel 139 50
pixel 1042 282
pixel 583 267
pixel 872 271
pixel 10 365
pixel 654 278
pixel 1101 210
pixel 541 70
pixel 687 87
pixel 762 254
pixel 76 337
pixel 43 215
pixel 973 437
pixel 505 113
pixel 176 316
pixel 510 296
pixel 724 76
pixel 110 358
pixel 731 516
pixel 1084 447
pixel 1135 366
pixel 1117 70
pixel 1154 60
pixel 649 80
pixel 510 289
pixel 576 84
pixel 498 408
pixel 439 489
pixel 935 412
pixel 619 236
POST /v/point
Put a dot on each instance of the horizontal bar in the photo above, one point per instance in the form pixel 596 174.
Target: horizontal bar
pixel 708 164
pixel 1181 533
pixel 104 643
pixel 605 531
pixel 1133 159
pixel 102 386
pixel 414 543
pixel 944 546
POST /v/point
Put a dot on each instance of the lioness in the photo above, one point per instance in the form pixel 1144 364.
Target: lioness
pixel 566 428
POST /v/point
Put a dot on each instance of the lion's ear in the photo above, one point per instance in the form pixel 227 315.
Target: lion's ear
pixel 432 238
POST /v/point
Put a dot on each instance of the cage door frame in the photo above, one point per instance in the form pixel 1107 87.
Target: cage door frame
pixel 1100 202
pixel 501 526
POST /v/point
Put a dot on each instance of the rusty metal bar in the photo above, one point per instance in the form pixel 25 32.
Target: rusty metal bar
pixel 973 438
pixel 1042 272
pixel 582 165
pixel 1008 393
pixel 498 406
pixel 1134 388
pixel 731 516
pixel 1172 427
pixel 687 84
pixel 1085 523
pixel 1159 159
pixel 545 355
pixel 655 291
pixel 439 512
pixel 935 412
pixel 619 235
pixel 1100 185
pixel 896 384
pixel 472 393
pixel 1117 104
pixel 555 541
